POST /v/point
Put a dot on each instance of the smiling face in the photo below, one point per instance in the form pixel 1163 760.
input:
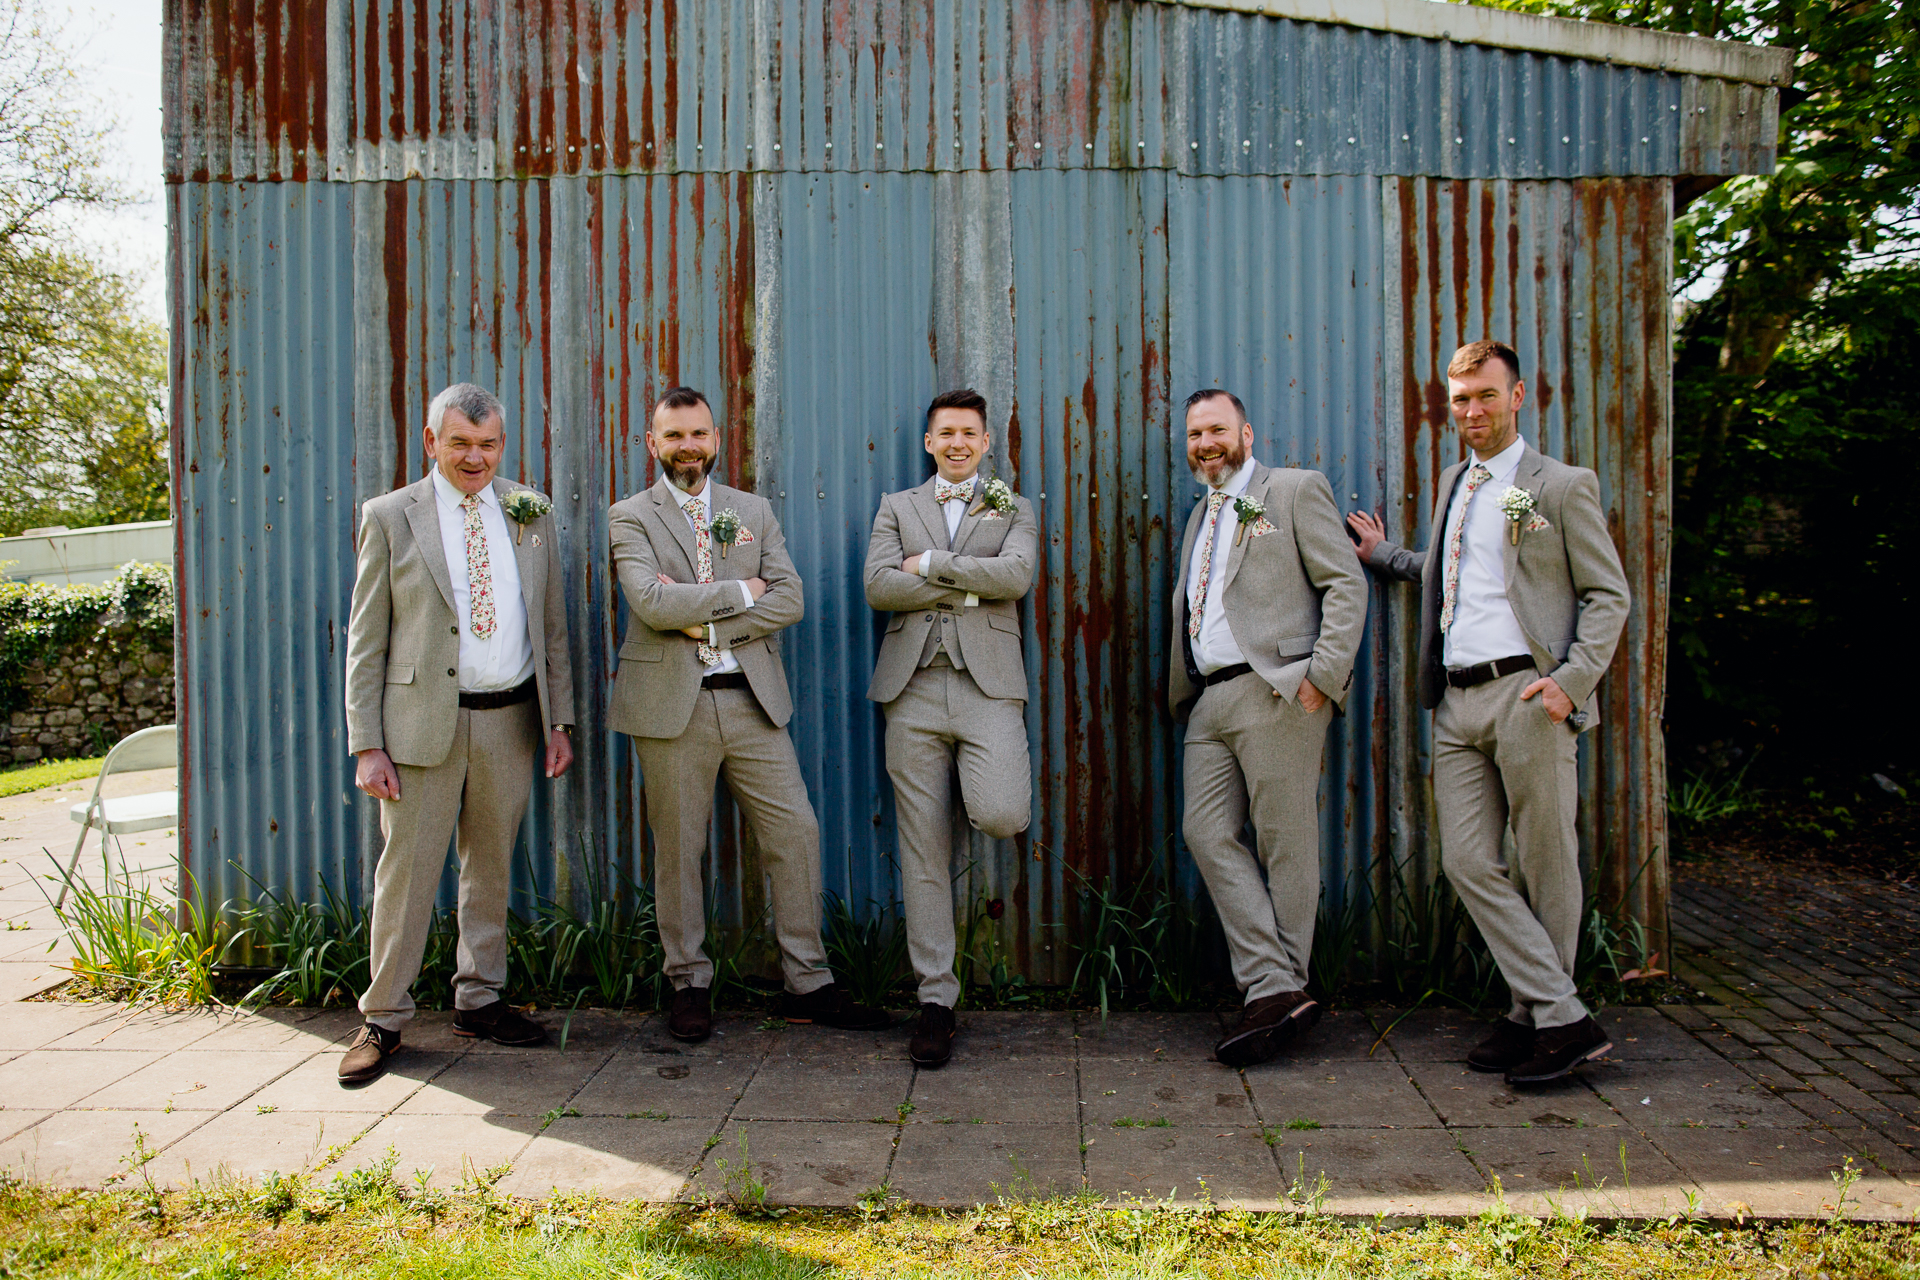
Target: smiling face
pixel 1218 442
pixel 958 440
pixel 467 453
pixel 686 442
pixel 1486 407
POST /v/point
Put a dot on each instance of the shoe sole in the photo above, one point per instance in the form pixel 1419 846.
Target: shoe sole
pixel 1588 1056
pixel 931 1064
pixel 689 1039
pixel 1489 1071
pixel 365 1077
pixel 1251 1048
pixel 487 1035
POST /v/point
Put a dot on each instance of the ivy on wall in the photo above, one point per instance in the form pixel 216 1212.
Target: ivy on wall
pixel 39 620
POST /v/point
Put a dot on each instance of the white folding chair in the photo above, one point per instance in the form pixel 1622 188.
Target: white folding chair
pixel 155 748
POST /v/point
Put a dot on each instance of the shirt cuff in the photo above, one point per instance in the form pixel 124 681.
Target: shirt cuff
pixel 746 593
pixel 920 565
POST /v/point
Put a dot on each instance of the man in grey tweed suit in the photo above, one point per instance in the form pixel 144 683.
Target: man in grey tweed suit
pixel 1522 603
pixel 701 691
pixel 951 560
pixel 458 680
pixel 1268 611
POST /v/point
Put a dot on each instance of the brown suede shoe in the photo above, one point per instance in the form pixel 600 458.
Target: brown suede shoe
pixel 500 1023
pixel 366 1057
pixel 690 1016
pixel 831 1006
pixel 1507 1047
pixel 932 1042
pixel 1558 1050
pixel 1267 1025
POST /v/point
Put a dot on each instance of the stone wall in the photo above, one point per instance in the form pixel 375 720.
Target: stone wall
pixel 92 694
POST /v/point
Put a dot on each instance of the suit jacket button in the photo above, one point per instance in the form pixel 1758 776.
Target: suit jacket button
pixel 452 672
pixel 929 617
pixel 453 631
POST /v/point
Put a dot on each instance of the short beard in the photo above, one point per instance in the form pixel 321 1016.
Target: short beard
pixel 1230 462
pixel 687 479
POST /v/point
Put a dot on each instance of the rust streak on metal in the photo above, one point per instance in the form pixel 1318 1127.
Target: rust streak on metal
pixel 737 350
pixel 394 262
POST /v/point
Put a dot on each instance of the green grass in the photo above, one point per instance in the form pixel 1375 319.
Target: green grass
pixel 20 778
pixel 374 1224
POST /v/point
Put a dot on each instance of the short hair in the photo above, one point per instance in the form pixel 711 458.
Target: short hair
pixel 1474 354
pixel 474 403
pixel 963 398
pixel 1209 393
pixel 678 398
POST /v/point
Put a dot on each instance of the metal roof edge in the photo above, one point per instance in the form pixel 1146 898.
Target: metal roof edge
pixel 1534 33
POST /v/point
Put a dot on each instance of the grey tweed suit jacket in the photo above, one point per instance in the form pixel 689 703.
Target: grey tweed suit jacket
pixel 658 678
pixel 403 634
pixel 1564 582
pixel 992 557
pixel 1295 590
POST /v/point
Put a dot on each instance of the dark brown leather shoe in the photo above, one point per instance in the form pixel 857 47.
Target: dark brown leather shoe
pixel 690 1016
pixel 1507 1047
pixel 1558 1050
pixel 932 1042
pixel 1267 1025
pixel 366 1057
pixel 500 1023
pixel 831 1006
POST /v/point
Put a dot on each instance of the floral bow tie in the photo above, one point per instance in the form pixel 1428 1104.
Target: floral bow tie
pixel 944 492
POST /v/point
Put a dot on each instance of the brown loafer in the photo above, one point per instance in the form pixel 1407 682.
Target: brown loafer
pixel 690 1016
pixel 1558 1050
pixel 831 1006
pixel 1507 1047
pixel 500 1023
pixel 366 1057
pixel 1267 1025
pixel 932 1042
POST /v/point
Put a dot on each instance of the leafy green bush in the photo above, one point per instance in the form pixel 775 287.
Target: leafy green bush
pixel 39 620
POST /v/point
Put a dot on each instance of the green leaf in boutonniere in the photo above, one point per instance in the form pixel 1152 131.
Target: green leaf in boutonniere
pixel 523 507
pixel 726 529
pixel 996 498
pixel 1247 510
pixel 1517 504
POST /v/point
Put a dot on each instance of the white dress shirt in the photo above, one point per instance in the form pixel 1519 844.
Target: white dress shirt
pixel 505 660
pixel 1215 647
pixel 952 513
pixel 727 662
pixel 1484 627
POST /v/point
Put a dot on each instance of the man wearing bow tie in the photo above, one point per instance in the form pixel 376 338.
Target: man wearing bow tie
pixel 458 680
pixel 1522 603
pixel 702 691
pixel 950 562
pixel 1268 611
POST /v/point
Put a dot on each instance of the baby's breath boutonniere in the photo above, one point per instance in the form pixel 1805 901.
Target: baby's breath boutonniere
pixel 1517 504
pixel 996 498
pixel 728 530
pixel 1248 510
pixel 523 507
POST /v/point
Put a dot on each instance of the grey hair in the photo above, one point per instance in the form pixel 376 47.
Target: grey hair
pixel 475 403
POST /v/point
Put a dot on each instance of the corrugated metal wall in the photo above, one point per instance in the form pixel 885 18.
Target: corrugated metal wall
pixel 758 199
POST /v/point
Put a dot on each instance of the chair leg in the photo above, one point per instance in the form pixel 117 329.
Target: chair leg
pixel 66 881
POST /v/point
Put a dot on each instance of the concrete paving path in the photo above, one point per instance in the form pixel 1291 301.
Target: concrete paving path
pixel 1730 1109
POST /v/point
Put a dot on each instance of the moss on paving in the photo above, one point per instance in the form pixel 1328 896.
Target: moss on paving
pixel 368 1224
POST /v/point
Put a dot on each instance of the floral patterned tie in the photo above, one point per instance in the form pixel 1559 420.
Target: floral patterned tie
pixel 479 569
pixel 1215 501
pixel 962 492
pixel 1450 584
pixel 702 566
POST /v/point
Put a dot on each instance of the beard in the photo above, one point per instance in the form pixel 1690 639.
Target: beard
pixel 1214 472
pixel 687 476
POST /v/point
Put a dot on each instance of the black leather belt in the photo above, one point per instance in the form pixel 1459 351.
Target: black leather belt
pixel 1239 669
pixel 1481 672
pixel 725 680
pixel 525 691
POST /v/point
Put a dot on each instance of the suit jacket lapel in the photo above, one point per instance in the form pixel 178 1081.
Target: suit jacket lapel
pixel 970 519
pixel 524 558
pixel 1525 476
pixel 1195 523
pixel 666 509
pixel 1257 490
pixel 930 513
pixel 423 517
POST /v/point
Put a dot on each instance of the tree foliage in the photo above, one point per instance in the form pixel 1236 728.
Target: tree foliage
pixel 82 373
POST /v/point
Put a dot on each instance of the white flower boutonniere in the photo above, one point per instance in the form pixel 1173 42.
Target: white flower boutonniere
pixel 1517 504
pixel 727 530
pixel 1249 510
pixel 523 507
pixel 996 499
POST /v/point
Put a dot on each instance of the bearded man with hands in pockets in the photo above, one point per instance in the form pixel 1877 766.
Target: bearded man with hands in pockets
pixel 1522 602
pixel 951 560
pixel 702 692
pixel 458 679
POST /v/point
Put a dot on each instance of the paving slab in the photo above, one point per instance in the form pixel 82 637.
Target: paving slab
pixel 243 1143
pixel 827 1087
pixel 634 1081
pixel 1403 1172
pixel 13 1120
pixel 1186 1165
pixel 1645 1034
pixel 624 1159
pixel 957 1165
pixel 453 1147
pixel 1028 1091
pixel 142 1029
pixel 1342 1035
pixel 85 1148
pixel 1202 1094
pixel 1608 1172
pixel 20 979
pixel 1690 1094
pixel 801 1163
pixel 482 1084
pixel 1183 1036
pixel 280 1031
pixel 1465 1098
pixel 1432 1035
pixel 196 1080
pixel 1765 1172
pixel 1004 1035
pixel 1349 1094
pixel 314 1085
pixel 34 1025
pixel 58 1078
